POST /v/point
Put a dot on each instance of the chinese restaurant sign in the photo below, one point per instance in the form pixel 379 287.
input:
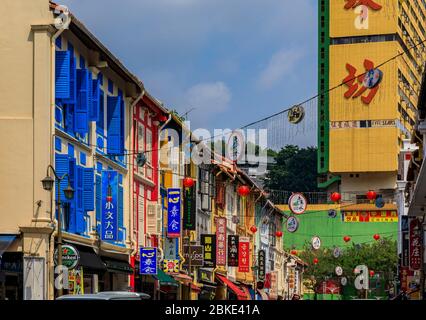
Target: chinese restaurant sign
pixel 148 264
pixel 195 254
pixel 405 241
pixel 261 265
pixel 209 243
pixel 416 244
pixel 171 248
pixel 244 255
pixel 109 219
pixel 173 213
pixel 171 266
pixel 189 209
pixel 221 241
pixel 370 216
pixel 233 250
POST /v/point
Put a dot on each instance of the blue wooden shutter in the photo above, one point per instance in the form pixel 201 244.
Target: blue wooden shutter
pixel 81 112
pixel 114 126
pixel 120 213
pixel 94 104
pixel 62 75
pixel 73 80
pixel 100 123
pixel 61 167
pixel 80 225
pixel 88 189
pixel 73 203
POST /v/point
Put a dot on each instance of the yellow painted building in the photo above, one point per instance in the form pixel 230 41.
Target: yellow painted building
pixel 369 53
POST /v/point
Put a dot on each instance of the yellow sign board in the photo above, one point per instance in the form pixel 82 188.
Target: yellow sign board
pixel 370 216
pixel 362 17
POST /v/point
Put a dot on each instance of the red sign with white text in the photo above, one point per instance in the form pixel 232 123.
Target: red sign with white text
pixel 221 242
pixel 244 255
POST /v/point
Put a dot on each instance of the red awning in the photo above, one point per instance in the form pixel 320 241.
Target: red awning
pixel 247 292
pixel 183 278
pixel 240 293
pixel 195 288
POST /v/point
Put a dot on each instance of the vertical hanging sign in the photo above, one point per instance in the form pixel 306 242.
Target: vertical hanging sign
pixel 261 265
pixel 173 213
pixel 244 254
pixel 221 241
pixel 189 209
pixel 405 241
pixel 109 219
pixel 148 257
pixel 416 244
pixel 209 243
pixel 233 250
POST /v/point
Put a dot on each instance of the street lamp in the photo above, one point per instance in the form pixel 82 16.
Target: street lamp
pixel 47 183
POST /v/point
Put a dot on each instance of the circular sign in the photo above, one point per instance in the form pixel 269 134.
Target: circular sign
pixel 380 203
pixel 332 213
pixel 316 242
pixel 336 252
pixel 297 203
pixel 339 271
pixel 343 281
pixel 292 224
pixel 70 256
pixel 296 114
pixel 372 78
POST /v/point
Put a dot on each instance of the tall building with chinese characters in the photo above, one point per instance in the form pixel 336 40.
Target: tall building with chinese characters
pixel 370 58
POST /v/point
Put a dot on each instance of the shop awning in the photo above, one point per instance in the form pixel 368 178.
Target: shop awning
pixel 181 277
pixel 5 241
pixel 195 288
pixel 241 295
pixel 117 266
pixel 91 261
pixel 165 279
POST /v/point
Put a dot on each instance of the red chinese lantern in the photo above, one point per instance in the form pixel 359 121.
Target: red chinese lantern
pixel 335 197
pixel 316 260
pixel 188 182
pixel 371 273
pixel 346 238
pixel 293 252
pixel 376 236
pixel 243 191
pixel 279 234
pixel 371 195
pixel 109 198
pixel 162 118
pixel 253 229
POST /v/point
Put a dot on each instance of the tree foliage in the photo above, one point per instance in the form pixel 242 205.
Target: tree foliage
pixel 295 170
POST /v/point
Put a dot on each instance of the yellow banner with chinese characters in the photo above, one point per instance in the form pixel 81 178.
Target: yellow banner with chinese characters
pixel 370 216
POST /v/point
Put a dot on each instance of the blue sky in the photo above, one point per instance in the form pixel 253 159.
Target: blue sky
pixel 233 61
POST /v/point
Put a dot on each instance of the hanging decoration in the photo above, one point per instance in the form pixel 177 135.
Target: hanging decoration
pixel 337 252
pixel 380 203
pixel 371 195
pixel 316 261
pixel 188 182
pixel 243 191
pixel 346 238
pixel 316 243
pixel 293 252
pixel 296 114
pixel 297 203
pixel 338 270
pixel 376 237
pixel 279 234
pixel 335 197
pixel 343 281
pixel 253 229
pixel 292 224
pixel 371 273
pixel 332 213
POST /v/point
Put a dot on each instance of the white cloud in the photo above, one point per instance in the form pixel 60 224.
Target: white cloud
pixel 209 99
pixel 280 65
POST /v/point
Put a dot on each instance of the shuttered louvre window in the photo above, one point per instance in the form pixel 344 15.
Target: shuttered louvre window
pixel 72 171
pixel 61 167
pixel 62 74
pixel 114 139
pixel 151 217
pixel 95 101
pixel 80 223
pixel 159 219
pixel 120 213
pixel 100 124
pixel 141 216
pixel 98 198
pixel 81 112
pixel 88 188
pixel 73 80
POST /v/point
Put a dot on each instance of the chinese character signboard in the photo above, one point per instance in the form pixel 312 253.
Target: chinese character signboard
pixel 244 255
pixel 370 216
pixel 405 241
pixel 261 263
pixel 148 257
pixel 221 241
pixel 416 244
pixel 209 243
pixel 109 219
pixel 173 213
pixel 171 248
pixel 196 256
pixel 189 209
pixel 233 250
pixel 171 266
pixel 273 292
